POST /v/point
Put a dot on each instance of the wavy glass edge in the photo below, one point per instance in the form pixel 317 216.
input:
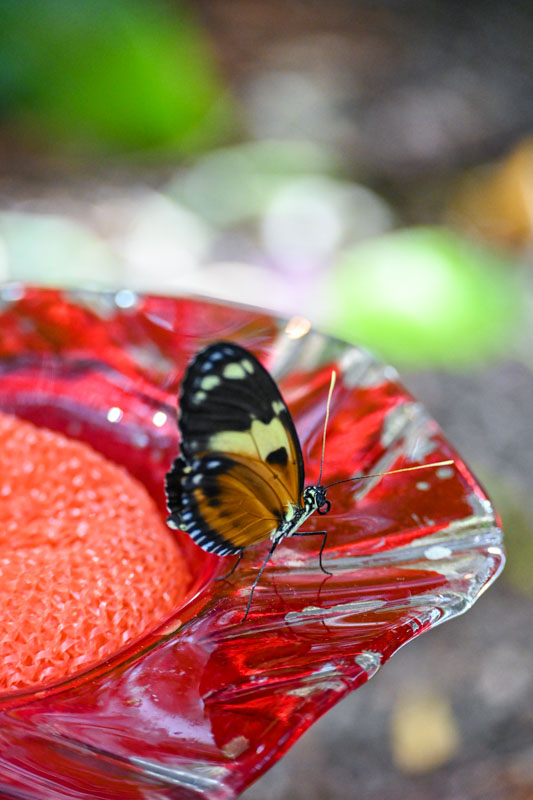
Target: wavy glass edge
pixel 463 558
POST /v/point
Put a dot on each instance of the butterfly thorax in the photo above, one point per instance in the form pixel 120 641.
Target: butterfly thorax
pixel 314 499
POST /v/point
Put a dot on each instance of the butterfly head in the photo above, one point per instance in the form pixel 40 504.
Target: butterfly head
pixel 315 499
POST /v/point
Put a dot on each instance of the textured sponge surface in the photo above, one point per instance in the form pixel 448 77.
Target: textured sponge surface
pixel 86 562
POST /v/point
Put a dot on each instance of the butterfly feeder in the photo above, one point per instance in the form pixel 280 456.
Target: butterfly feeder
pixel 213 691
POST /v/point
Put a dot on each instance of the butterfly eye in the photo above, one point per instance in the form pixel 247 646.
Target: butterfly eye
pixel 324 507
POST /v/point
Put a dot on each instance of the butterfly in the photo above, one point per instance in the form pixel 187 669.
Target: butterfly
pixel 239 478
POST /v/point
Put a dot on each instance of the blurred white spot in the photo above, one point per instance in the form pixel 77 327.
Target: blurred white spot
pixel 125 298
pixel 423 486
pixel 114 414
pixel 297 327
pixel 53 250
pixel 444 472
pixel 309 218
pixel 12 292
pixel 158 239
pixel 301 228
pixel 437 552
pixel 141 439
pixel 160 322
pixel 159 419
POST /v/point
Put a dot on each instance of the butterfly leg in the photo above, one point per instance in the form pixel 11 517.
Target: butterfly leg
pixel 265 562
pixel 324 535
pixel 232 570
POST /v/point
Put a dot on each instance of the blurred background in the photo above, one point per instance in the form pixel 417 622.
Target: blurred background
pixel 368 166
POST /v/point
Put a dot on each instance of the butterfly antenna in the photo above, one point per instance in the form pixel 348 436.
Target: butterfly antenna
pixel 433 465
pixel 330 393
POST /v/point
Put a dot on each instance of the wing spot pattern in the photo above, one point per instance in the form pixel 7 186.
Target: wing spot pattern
pixel 278 456
pixel 258 441
pixel 210 382
pixel 234 371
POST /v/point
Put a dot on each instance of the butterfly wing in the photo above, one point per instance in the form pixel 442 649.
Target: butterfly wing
pixel 241 466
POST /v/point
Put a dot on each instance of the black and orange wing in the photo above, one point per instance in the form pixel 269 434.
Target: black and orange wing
pixel 241 468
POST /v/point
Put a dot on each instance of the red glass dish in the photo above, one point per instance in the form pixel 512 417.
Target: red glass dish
pixel 204 704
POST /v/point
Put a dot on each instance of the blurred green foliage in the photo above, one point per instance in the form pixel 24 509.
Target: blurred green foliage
pixel 426 297
pixel 109 75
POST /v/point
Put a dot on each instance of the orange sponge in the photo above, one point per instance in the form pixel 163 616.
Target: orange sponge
pixel 86 562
